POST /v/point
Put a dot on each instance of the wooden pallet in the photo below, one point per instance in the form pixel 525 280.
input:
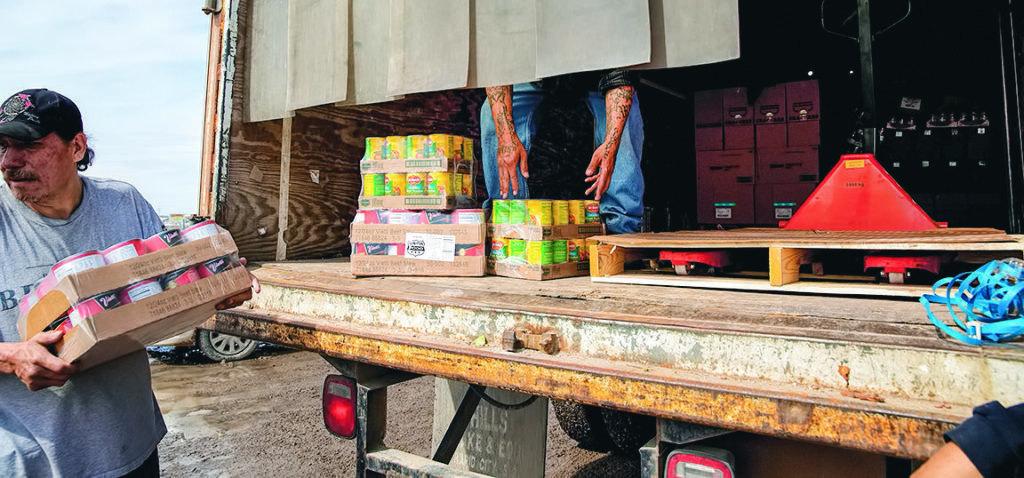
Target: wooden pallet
pixel 787 250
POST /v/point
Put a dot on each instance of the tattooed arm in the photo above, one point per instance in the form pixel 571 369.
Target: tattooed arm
pixel 511 152
pixel 617 103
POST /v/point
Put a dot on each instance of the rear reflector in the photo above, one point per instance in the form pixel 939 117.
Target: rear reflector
pixel 340 406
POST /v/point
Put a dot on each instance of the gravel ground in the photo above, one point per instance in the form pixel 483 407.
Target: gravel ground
pixel 261 417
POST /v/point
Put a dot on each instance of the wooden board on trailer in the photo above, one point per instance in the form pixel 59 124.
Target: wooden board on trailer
pixel 787 250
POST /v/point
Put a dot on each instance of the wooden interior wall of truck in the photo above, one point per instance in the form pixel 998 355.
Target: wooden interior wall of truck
pixel 326 142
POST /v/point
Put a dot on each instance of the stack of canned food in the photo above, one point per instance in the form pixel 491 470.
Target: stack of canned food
pixel 449 182
pixel 133 292
pixel 544 212
pixel 405 216
pixel 541 212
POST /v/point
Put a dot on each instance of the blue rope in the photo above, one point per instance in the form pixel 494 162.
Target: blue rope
pixel 989 299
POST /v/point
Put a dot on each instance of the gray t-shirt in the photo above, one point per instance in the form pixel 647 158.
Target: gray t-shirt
pixel 104 422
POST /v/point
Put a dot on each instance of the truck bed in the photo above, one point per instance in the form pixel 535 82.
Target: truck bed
pixel 759 362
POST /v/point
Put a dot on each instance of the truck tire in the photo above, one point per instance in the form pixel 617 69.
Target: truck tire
pixel 223 347
pixel 583 423
pixel 628 431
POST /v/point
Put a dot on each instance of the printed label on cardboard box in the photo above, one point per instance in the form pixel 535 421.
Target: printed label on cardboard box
pixel 431 247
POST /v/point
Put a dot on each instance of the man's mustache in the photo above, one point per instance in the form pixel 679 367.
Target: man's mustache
pixel 18 175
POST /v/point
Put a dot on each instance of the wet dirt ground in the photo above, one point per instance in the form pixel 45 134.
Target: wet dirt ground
pixel 261 417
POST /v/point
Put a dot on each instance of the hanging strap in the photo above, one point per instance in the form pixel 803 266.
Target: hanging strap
pixel 990 300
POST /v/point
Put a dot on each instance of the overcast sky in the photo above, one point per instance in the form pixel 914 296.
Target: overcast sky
pixel 136 69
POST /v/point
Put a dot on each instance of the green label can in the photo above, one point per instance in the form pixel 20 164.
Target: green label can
pixel 593 214
pixel 539 252
pixel 577 211
pixel 560 212
pixel 499 211
pixel 517 212
pixel 517 251
pixel 373 184
pixel 539 212
pixel 467 149
pixel 559 251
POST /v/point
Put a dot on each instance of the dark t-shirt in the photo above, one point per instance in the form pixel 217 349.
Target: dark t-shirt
pixel 993 439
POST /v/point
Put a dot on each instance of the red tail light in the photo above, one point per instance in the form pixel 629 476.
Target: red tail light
pixel 340 406
pixel 698 461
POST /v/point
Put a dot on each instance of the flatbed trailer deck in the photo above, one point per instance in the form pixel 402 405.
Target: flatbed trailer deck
pixel 757 362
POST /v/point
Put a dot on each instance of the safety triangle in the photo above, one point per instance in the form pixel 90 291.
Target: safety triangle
pixel 858 195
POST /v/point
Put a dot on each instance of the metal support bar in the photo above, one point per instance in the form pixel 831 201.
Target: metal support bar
pixel 371 425
pixel 457 428
pixel 867 73
pixel 1012 109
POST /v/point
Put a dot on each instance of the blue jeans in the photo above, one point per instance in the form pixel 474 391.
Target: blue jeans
pixel 622 206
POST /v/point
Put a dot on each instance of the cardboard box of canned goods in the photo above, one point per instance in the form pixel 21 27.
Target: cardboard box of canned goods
pixel 110 333
pixel 424 243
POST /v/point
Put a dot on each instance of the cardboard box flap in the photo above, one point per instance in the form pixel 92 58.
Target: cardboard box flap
pixel 395 233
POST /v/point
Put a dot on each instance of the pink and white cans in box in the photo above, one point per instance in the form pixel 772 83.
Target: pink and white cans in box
pixel 77 263
pixel 163 240
pixel 184 276
pixel 468 216
pixel 406 216
pixel 124 251
pixel 201 230
pixel 217 265
pixel 140 290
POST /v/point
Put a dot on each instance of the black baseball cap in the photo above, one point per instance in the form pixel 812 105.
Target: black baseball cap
pixel 29 115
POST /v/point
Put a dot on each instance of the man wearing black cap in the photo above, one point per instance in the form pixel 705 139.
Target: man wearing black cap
pixel 55 419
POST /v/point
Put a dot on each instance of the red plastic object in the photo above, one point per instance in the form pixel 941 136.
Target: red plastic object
pixel 899 265
pixel 717 259
pixel 858 195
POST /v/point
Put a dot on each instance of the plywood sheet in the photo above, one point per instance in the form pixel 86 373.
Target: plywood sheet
pixel 693 32
pixel 369 49
pixel 318 52
pixel 268 61
pixel 429 48
pixel 503 42
pixel 584 35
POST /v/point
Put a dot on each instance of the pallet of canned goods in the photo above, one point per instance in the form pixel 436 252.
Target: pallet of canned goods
pixel 418 242
pixel 544 219
pixel 433 171
pixel 113 302
pixel 541 239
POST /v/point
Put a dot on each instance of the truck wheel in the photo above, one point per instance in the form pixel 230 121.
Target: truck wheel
pixel 582 423
pixel 628 431
pixel 223 347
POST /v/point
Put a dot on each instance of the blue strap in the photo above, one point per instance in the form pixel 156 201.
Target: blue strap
pixel 990 300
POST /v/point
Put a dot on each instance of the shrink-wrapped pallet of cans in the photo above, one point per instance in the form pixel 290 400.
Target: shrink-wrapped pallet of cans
pixel 541 239
pixel 423 171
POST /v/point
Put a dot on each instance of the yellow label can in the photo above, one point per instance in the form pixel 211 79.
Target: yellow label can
pixel 439 146
pixel 394 184
pixel 539 212
pixel 416 146
pixel 560 212
pixel 467 149
pixel 415 184
pixel 577 211
pixel 456 151
pixel 375 147
pixel 439 183
pixel 467 184
pixel 539 252
pixel 395 147
pixel 577 250
pixel 499 249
